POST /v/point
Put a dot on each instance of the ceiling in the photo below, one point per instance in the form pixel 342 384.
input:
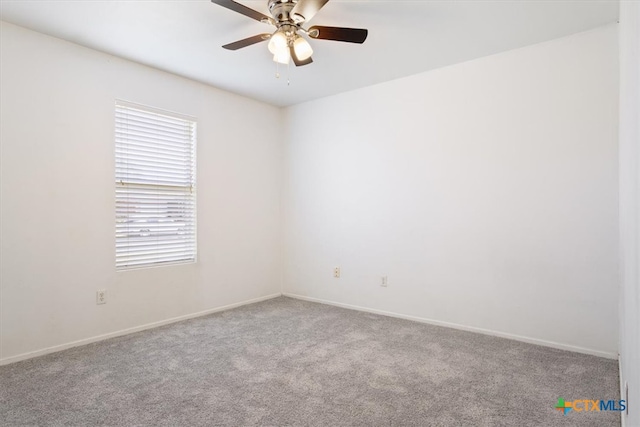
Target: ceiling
pixel 405 37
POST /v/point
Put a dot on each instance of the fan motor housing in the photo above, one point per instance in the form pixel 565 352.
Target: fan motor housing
pixel 281 9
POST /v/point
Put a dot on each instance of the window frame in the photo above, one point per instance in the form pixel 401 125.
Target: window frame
pixel 190 256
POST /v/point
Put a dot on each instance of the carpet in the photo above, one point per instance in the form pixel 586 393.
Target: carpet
pixel 286 362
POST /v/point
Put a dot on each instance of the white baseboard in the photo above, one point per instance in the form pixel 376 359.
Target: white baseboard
pixel 54 349
pixel 536 341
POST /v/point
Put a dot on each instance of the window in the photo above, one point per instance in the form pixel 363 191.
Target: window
pixel 155 187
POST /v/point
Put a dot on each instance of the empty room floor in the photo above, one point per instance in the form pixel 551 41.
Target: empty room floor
pixel 289 362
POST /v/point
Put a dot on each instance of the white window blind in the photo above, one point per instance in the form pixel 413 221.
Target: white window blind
pixel 155 187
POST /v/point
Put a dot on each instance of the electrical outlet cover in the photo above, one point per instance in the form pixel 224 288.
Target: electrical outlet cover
pixel 101 297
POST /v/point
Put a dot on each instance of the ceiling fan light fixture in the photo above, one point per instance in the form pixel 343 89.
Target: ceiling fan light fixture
pixel 286 44
pixel 278 42
pixel 302 48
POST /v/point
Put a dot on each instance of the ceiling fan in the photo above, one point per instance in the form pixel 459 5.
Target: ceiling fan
pixel 289 16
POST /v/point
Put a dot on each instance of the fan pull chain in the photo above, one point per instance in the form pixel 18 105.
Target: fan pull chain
pixel 288 72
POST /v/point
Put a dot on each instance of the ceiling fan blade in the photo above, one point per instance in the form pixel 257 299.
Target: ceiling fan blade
pixel 351 35
pixel 247 11
pixel 298 62
pixel 247 42
pixel 307 8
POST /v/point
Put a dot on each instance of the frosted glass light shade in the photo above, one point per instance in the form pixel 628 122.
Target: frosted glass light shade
pixel 282 56
pixel 278 42
pixel 302 48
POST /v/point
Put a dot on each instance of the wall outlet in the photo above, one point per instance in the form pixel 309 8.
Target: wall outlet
pixel 101 297
pixel 383 283
pixel 336 272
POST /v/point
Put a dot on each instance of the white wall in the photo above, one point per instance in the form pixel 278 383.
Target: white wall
pixel 486 191
pixel 630 207
pixel 57 214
